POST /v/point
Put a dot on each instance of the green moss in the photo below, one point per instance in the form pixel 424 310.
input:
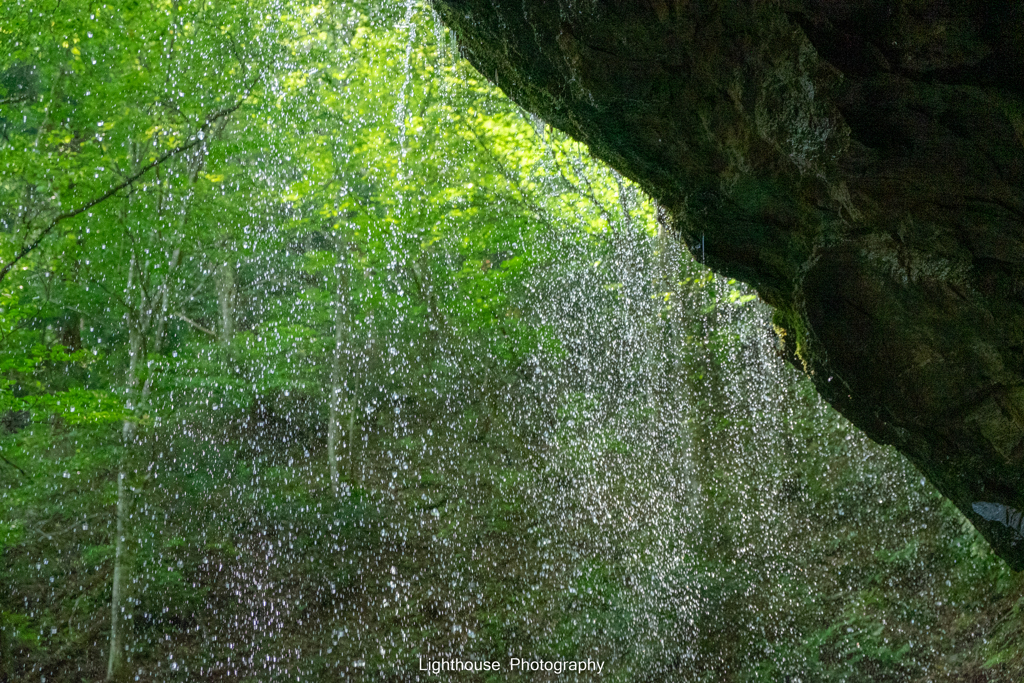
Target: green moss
pixel 792 331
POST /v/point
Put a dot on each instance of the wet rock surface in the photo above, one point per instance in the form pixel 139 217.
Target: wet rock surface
pixel 860 163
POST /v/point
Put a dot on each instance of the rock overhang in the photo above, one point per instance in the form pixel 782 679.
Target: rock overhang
pixel 860 163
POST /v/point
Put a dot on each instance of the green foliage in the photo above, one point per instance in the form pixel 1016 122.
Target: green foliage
pixel 229 226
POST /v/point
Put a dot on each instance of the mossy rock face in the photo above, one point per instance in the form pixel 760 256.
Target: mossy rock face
pixel 860 163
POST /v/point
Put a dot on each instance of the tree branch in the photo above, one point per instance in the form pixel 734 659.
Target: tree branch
pixel 194 324
pixel 194 141
pixel 14 99
pixel 16 467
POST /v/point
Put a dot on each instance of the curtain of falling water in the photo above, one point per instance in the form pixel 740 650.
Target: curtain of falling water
pixel 633 491
pixel 656 423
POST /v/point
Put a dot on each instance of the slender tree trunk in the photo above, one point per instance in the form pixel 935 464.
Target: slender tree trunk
pixel 160 323
pixel 342 334
pixel 117 599
pixel 139 319
pixel 226 299
pixel 116 659
pixel 336 389
pixel 165 295
pixel 352 425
